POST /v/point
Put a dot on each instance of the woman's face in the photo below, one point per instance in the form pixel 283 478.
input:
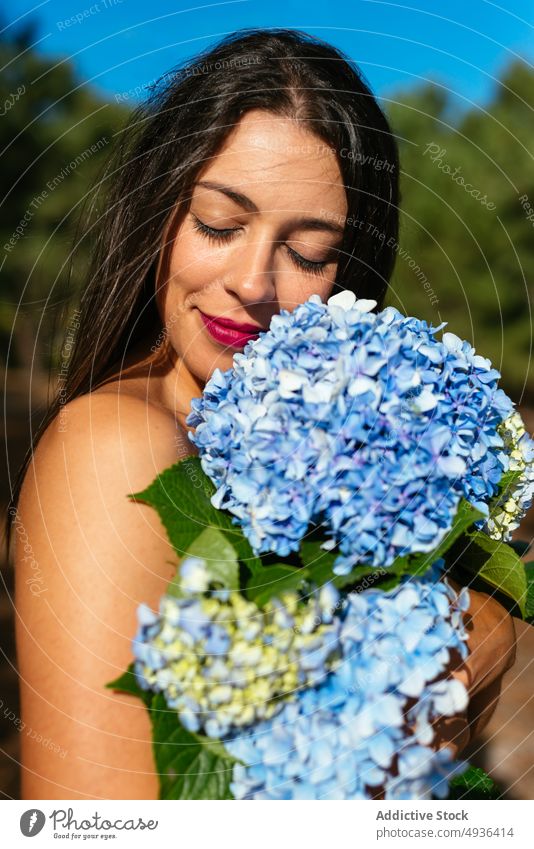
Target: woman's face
pixel 261 235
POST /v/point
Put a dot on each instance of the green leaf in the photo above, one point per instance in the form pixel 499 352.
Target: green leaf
pixel 474 783
pixel 503 569
pixel 190 766
pixel 508 480
pixel 320 563
pixel 315 558
pixel 182 497
pixel 466 515
pixel 390 584
pixel 418 564
pixel 274 580
pixel 529 603
pixel 220 557
pixel 127 683
pixel 495 563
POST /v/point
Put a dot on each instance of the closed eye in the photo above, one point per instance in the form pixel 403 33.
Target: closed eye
pixel 212 233
pixel 224 235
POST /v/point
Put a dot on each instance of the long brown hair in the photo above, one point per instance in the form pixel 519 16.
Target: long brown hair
pixel 170 137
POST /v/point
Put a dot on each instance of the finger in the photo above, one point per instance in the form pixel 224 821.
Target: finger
pixel 451 731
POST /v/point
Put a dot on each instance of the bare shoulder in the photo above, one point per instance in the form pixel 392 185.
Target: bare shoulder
pixel 99 423
pixel 99 449
pixel 86 555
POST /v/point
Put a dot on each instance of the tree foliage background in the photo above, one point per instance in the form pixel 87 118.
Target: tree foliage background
pixel 477 261
pixel 55 135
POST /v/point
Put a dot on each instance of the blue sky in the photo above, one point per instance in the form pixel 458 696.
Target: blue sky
pixel 118 45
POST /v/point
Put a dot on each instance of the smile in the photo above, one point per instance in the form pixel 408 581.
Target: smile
pixel 228 333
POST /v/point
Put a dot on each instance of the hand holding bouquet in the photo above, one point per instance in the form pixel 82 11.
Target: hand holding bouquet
pixel 348 463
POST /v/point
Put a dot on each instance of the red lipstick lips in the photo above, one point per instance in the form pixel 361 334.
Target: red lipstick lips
pixel 226 322
pixel 228 332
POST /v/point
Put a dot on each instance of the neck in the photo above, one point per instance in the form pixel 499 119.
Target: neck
pixel 177 387
pixel 159 377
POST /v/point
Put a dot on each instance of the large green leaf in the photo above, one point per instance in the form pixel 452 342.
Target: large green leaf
pixel 189 766
pixel 495 563
pixel 182 497
pixel 320 565
pixel 192 766
pixel 316 558
pixel 317 564
pixel 279 577
pixel 127 683
pixel 418 564
pixel 273 580
pixel 529 603
pixel 508 481
pixel 221 561
pixel 466 516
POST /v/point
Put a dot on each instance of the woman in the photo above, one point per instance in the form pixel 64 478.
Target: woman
pixel 241 188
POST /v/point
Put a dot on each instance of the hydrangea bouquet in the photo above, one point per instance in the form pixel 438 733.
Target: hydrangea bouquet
pixel 348 463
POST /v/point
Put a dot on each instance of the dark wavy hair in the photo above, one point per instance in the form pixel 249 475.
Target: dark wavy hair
pixel 169 138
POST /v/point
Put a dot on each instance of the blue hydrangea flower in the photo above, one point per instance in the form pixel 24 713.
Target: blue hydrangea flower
pixel 364 423
pixel 358 732
pixel 221 662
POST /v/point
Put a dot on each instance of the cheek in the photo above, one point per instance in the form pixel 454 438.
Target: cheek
pixel 193 265
pixel 295 291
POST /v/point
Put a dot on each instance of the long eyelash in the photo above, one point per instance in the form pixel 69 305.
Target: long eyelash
pixel 211 233
pixel 223 236
pixel 307 264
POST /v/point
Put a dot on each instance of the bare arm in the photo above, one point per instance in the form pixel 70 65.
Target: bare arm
pixel 99 555
pixel 492 652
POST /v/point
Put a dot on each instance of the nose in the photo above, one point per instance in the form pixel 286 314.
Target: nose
pixel 251 276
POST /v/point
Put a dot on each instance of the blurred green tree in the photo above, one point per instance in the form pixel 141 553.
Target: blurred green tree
pixel 55 135
pixel 472 241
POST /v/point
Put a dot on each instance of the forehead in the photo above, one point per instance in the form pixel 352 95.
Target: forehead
pixel 275 160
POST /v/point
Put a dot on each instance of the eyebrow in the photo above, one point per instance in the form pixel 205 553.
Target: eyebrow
pixel 250 206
